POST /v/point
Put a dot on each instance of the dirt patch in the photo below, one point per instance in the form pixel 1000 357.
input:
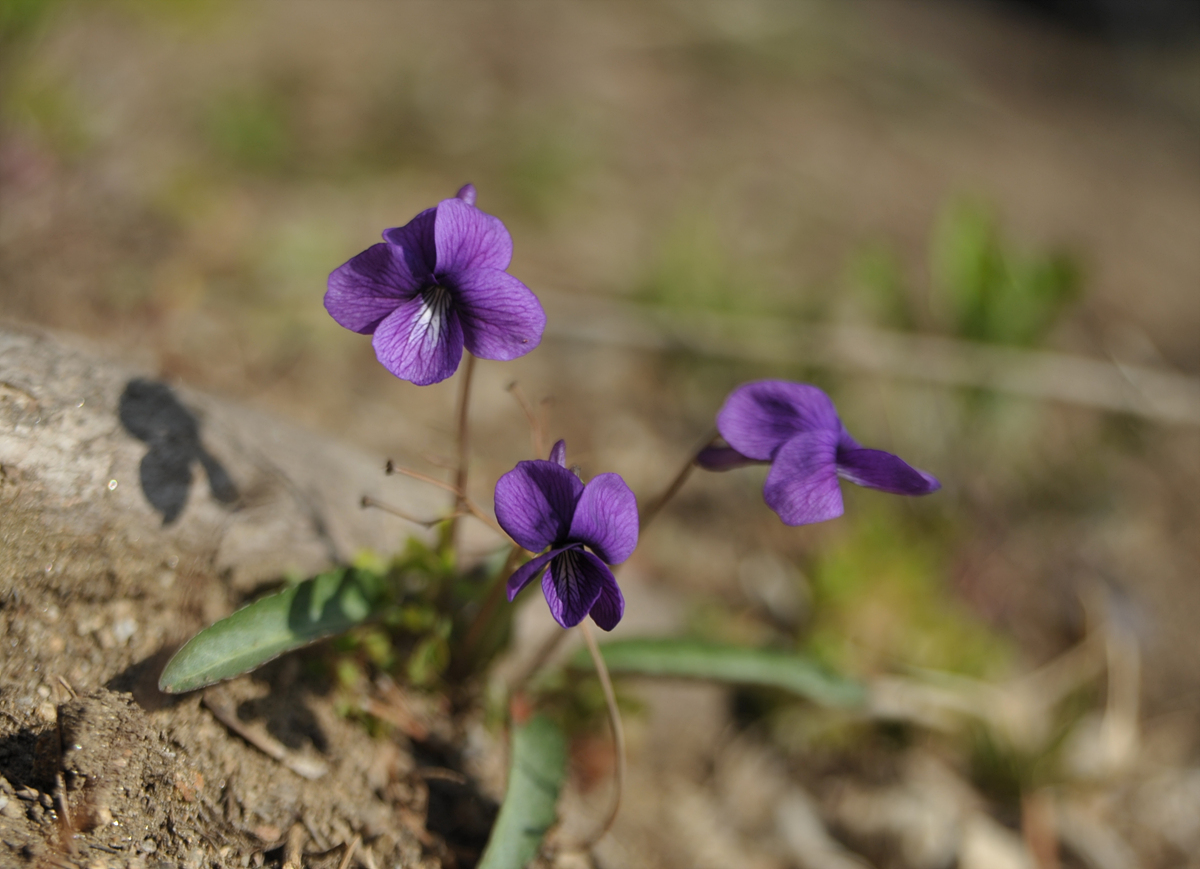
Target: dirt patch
pixel 118 546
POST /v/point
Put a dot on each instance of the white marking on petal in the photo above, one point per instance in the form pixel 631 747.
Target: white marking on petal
pixel 431 320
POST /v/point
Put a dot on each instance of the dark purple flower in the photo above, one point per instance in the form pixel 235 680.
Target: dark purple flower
pixel 795 427
pixel 540 504
pixel 435 285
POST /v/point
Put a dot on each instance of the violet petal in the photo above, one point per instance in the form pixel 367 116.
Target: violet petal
pixel 369 287
pixel 501 317
pixel 535 503
pixel 466 193
pixel 606 518
pixel 882 470
pixel 759 417
pixel 558 453
pixel 467 238
pixel 416 240
pixel 713 458
pixel 528 572
pixel 610 605
pixel 421 341
pixel 573 584
pixel 802 485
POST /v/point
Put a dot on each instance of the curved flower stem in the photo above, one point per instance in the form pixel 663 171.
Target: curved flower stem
pixel 460 476
pixel 647 515
pixel 614 718
pixel 536 433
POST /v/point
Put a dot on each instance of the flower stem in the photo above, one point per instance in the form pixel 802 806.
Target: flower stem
pixel 536 433
pixel 614 718
pixel 652 510
pixel 460 476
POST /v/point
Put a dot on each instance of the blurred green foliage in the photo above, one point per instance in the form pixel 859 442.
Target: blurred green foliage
pixel 987 291
pixel 981 287
pixel 691 267
pixel 46 109
pixel 420 636
pixel 20 19
pixel 252 130
pixel 539 166
pixel 880 601
pixel 878 275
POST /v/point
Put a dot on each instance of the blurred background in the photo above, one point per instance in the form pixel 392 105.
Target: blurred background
pixel 976 224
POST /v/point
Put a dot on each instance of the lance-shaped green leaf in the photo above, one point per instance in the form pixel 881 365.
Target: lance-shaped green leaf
pixel 695 659
pixel 539 762
pixel 300 614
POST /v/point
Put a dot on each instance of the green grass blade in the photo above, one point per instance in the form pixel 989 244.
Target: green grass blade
pixel 539 763
pixel 300 614
pixel 695 659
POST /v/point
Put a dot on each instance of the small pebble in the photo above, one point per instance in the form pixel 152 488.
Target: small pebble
pixel 123 630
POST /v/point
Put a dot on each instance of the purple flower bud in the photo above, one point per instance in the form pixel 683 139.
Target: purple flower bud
pixel 435 285
pixel 542 504
pixel 795 428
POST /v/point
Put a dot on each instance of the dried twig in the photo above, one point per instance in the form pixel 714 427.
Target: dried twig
pixel 264 742
pixel 293 848
pixel 350 849
pixel 472 508
pixel 369 502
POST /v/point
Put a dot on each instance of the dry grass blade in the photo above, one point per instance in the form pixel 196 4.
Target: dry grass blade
pixel 303 767
pixel 350 849
pixel 1164 396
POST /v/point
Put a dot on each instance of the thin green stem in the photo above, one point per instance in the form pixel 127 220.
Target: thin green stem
pixel 460 476
pixel 652 510
pixel 614 719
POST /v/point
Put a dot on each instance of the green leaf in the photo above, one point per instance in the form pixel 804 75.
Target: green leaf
pixel 695 659
pixel 539 763
pixel 300 614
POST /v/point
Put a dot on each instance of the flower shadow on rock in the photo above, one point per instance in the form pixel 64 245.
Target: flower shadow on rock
pixel 151 413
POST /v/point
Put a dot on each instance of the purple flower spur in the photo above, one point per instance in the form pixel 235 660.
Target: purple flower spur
pixel 540 504
pixel 795 428
pixel 434 285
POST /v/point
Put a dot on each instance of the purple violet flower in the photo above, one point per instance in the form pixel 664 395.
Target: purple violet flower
pixel 795 427
pixel 434 285
pixel 540 504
